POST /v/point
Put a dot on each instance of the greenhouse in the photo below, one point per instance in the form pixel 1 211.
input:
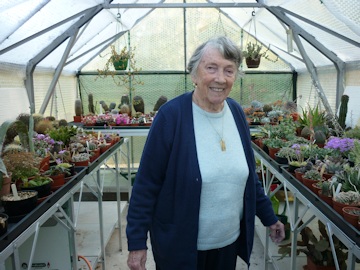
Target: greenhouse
pixel 96 91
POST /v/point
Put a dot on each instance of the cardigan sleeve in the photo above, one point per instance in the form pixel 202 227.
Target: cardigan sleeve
pixel 148 183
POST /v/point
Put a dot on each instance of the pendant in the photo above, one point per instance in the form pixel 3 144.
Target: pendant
pixel 222 144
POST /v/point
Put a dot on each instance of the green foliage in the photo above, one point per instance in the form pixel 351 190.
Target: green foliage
pixel 349 177
pixel 36 181
pixel 252 51
pixel 318 249
pixel 313 118
pixel 313 174
pixel 62 134
pixel 353 133
pixel 319 137
pixel 274 142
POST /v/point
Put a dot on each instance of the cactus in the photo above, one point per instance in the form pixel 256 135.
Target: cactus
pixel 138 104
pixel 343 110
pixel 63 122
pixel 91 106
pixel 92 146
pixel 306 132
pixel 319 137
pixel 348 197
pixel 162 100
pixel 44 125
pixel 104 106
pixel 124 100
pixel 267 108
pixel 78 107
pixel 125 109
pixel 112 106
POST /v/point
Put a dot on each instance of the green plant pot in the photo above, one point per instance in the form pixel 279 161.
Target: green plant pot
pixel 121 64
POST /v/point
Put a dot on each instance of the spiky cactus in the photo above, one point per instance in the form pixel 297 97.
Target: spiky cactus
pixel 343 110
pixel 112 106
pixel 138 104
pixel 91 106
pixel 78 107
pixel 160 102
pixel 104 106
pixel 319 137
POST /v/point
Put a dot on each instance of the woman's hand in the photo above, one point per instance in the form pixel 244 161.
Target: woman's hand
pixel 277 232
pixel 137 259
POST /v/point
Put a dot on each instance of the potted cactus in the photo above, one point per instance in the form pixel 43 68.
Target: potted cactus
pixel 345 198
pixel 310 177
pixel 352 215
pixel 78 111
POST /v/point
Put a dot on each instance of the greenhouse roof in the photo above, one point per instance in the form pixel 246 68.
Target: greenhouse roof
pixel 66 35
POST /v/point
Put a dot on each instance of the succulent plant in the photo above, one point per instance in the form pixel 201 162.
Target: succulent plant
pixel 78 107
pixel 112 106
pixel 348 197
pixel 256 104
pixel 320 137
pixel 313 174
pixel 91 106
pixel 267 108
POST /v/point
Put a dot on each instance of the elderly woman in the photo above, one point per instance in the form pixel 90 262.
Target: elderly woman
pixel 196 189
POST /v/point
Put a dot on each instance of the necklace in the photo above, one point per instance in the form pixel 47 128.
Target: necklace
pixel 222 141
pixel 221 136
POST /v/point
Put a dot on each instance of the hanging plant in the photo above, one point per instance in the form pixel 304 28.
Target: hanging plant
pixel 253 54
pixel 123 60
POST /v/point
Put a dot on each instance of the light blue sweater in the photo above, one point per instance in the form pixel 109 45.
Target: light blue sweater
pixel 224 175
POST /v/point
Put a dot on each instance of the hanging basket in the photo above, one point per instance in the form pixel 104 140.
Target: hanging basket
pixel 252 63
pixel 120 64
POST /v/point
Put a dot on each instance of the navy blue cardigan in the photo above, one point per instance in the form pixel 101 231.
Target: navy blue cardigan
pixel 165 198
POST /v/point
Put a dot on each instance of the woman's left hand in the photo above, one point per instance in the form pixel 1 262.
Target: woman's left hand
pixel 277 232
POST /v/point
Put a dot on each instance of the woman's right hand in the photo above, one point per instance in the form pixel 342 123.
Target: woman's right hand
pixel 137 259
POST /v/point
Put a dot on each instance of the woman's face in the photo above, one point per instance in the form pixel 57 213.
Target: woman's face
pixel 214 79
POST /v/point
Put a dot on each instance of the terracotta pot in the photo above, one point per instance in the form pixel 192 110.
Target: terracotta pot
pixel 312 266
pixel 337 206
pixel 273 151
pixel 5 189
pixel 308 182
pixel 298 174
pixel 315 188
pixel 103 149
pixel 83 163
pixel 327 175
pixel 327 199
pixel 45 164
pixel 77 119
pixel 351 218
pixel 58 181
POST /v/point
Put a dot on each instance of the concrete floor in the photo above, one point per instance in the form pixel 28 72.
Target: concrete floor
pixel 116 259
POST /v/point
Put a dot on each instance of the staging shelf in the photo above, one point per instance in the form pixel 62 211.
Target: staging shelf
pixel 306 203
pixel 60 216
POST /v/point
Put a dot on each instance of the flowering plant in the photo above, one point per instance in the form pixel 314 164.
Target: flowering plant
pixel 122 119
pixel 341 145
pixel 299 154
pixel 89 120
pixel 43 144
